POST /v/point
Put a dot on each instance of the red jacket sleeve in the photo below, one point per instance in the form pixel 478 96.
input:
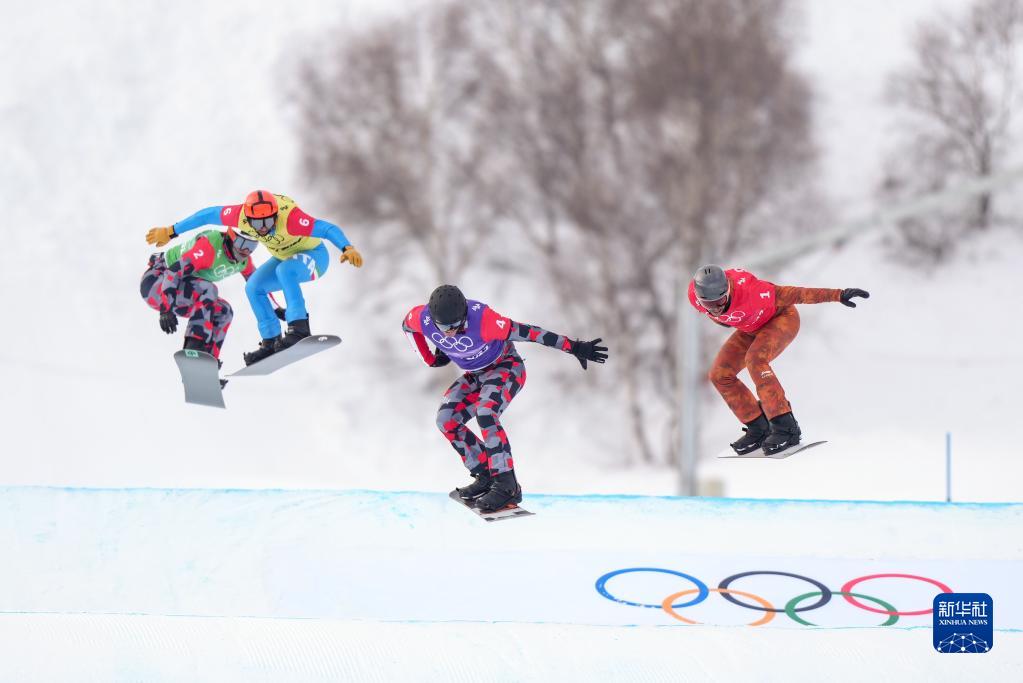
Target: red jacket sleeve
pixel 229 215
pixel 494 326
pixel 249 269
pixel 413 328
pixel 413 321
pixel 300 224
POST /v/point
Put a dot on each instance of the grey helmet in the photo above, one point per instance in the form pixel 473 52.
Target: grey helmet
pixel 710 282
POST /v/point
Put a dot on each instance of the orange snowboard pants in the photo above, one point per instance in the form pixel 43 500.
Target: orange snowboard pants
pixel 755 352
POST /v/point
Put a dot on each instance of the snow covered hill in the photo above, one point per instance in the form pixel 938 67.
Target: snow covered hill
pixel 159 584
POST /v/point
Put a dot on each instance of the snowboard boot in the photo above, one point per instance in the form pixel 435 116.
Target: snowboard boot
pixel 754 436
pixel 267 347
pixel 197 344
pixel 504 491
pixel 784 434
pixel 481 475
pixel 297 330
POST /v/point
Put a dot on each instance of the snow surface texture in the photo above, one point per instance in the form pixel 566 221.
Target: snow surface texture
pixel 262 585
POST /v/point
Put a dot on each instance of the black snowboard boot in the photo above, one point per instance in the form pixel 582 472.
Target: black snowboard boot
pixel 199 345
pixel 477 488
pixel 504 491
pixel 196 344
pixel 754 436
pixel 784 434
pixel 267 347
pixel 297 330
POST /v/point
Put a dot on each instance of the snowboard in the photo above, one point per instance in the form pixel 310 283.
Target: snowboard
pixel 200 373
pixel 302 349
pixel 510 512
pixel 791 450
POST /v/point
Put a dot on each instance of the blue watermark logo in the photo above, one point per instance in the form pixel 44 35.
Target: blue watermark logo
pixel 963 622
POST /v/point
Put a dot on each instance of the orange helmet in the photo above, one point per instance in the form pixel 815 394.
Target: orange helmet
pixel 260 204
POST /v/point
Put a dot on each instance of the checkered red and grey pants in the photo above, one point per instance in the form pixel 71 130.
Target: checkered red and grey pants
pixel 209 316
pixel 484 395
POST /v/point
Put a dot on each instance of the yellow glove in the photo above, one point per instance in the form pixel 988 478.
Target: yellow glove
pixel 352 255
pixel 160 236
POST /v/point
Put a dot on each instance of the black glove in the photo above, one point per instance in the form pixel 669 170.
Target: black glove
pixel 169 322
pixel 585 351
pixel 440 359
pixel 280 313
pixel 848 294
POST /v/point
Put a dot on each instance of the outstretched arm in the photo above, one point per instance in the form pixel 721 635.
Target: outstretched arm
pixel 211 215
pixel 302 224
pixel 787 296
pixel 330 232
pixel 526 332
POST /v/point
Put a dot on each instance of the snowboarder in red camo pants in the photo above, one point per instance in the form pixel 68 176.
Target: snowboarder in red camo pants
pixel 481 342
pixel 180 282
pixel 766 321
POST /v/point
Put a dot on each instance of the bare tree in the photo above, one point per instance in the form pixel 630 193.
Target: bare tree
pixel 388 138
pixel 957 100
pixel 645 137
pixel 622 142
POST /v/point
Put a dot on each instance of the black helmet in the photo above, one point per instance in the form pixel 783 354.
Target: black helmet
pixel 710 283
pixel 447 306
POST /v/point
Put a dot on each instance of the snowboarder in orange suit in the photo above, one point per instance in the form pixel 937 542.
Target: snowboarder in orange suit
pixel 765 319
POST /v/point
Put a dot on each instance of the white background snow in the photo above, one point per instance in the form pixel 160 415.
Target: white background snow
pixel 116 117
pixel 119 117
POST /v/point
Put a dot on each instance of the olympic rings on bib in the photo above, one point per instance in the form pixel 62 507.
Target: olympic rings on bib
pixel 460 344
pixel 791 608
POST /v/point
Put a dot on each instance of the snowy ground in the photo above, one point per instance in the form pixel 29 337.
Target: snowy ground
pixel 312 585
pixel 176 585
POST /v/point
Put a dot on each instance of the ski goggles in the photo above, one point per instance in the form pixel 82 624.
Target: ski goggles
pixel 714 306
pixel 244 243
pixel 263 225
pixel 447 327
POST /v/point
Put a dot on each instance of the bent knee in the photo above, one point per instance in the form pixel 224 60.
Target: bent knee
pixel 446 422
pixel 719 376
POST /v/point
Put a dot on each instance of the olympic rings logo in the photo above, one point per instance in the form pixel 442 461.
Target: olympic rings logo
pixel 792 608
pixel 460 344
pixel 732 317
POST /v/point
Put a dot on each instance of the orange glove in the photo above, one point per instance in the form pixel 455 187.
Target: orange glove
pixel 352 255
pixel 160 236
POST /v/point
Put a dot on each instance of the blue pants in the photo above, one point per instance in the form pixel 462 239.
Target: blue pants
pixel 286 276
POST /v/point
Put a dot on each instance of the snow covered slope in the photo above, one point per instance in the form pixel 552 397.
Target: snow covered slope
pixel 317 582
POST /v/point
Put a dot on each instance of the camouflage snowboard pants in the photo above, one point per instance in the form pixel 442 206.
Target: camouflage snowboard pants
pixel 755 352
pixel 484 395
pixel 209 316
